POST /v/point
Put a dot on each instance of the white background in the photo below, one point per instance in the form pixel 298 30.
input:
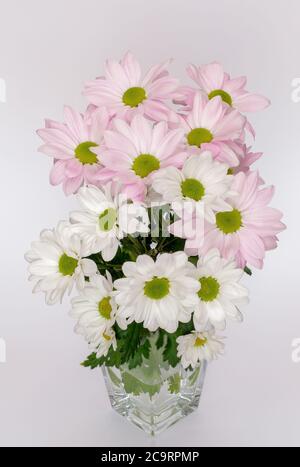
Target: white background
pixel 47 50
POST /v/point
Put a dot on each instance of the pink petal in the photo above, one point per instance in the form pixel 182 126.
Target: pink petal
pixel 239 182
pixel 231 246
pixel 177 160
pixel 71 185
pixel 55 125
pixel 169 144
pixel 233 85
pixel 264 196
pixel 213 238
pixel 212 113
pixel 270 242
pixel 210 76
pixel 240 260
pixel 100 92
pixel 265 221
pixel 249 191
pixel 251 102
pixel 192 72
pixel 158 133
pixel 143 131
pixel 230 127
pixel 250 129
pixel 251 157
pixel 163 88
pixel 135 191
pixel 57 174
pixel 115 72
pixel 116 160
pixel 157 111
pixel 56 137
pixel 124 128
pixel 195 118
pixel 222 152
pixel 155 73
pixel 56 151
pixel 100 121
pixel 75 124
pixel 185 96
pixel 252 248
pixel 73 168
pixel 116 141
pixel 91 173
pixel 106 175
pixel 132 68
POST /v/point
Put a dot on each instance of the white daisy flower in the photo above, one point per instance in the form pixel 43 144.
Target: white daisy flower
pixel 158 293
pixel 197 347
pixel 108 340
pixel 201 180
pixel 95 310
pixel 57 262
pixel 220 295
pixel 107 218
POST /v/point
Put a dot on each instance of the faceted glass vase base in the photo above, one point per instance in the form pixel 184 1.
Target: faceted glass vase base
pixel 153 396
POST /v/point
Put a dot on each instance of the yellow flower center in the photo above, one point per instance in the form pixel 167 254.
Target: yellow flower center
pixel 229 222
pixel 198 136
pixel 200 342
pixel 223 94
pixel 105 308
pixel 133 97
pixel 144 164
pixel 67 265
pixel 157 288
pixel 85 155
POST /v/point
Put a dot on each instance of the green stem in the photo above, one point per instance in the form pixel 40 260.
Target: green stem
pixel 164 244
pixel 137 245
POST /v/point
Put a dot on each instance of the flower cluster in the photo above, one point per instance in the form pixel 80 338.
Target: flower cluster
pixel 171 213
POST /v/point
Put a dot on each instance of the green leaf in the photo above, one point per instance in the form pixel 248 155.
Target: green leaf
pixel 93 362
pixel 161 339
pixel 114 266
pixel 132 346
pixel 131 341
pixel 112 359
pixel 193 260
pixel 248 271
pixel 137 358
pixel 114 378
pixel 185 328
pixel 168 342
pixel 133 385
pixel 194 376
pixel 170 351
pixel 174 383
pixel 174 244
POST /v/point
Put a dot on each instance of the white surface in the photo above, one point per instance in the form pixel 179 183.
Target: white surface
pixel 251 397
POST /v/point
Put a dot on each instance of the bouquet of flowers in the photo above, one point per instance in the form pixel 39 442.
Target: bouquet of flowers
pixel 171 214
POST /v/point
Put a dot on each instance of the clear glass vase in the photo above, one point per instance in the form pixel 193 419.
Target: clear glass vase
pixel 154 396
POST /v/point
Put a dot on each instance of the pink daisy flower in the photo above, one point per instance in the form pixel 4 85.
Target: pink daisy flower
pixel 72 145
pixel 126 93
pixel 247 159
pixel 248 230
pixel 136 150
pixel 212 126
pixel 214 82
